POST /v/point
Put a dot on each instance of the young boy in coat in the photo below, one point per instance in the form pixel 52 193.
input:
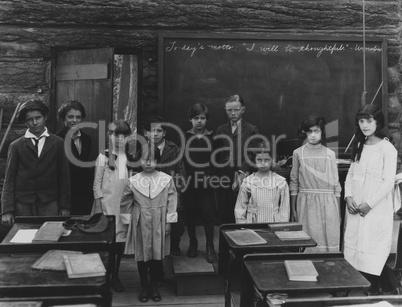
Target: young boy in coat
pixel 229 163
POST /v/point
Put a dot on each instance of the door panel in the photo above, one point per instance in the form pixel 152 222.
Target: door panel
pixel 86 76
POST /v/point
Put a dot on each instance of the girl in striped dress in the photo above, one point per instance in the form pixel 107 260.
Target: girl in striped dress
pixel 264 195
pixel 314 187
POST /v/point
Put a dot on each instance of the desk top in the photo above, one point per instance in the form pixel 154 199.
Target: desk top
pixel 335 273
pixel 273 242
pixel 108 236
pixel 19 279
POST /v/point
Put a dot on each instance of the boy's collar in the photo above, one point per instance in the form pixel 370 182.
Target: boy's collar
pixel 30 135
pixel 238 123
pixel 162 144
pixel 205 132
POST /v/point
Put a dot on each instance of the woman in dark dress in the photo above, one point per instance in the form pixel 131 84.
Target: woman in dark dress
pixel 71 113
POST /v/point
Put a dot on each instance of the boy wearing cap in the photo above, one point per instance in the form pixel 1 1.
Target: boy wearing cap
pixel 37 179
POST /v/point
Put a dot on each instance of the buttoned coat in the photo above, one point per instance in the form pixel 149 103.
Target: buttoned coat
pixel 29 177
pixel 81 178
pixel 233 158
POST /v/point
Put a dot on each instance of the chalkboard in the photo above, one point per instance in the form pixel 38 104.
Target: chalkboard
pixel 282 79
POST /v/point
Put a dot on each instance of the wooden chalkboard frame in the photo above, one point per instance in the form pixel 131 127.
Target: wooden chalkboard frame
pixel 248 37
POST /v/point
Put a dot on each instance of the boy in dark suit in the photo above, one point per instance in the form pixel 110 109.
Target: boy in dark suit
pixel 230 141
pixel 37 180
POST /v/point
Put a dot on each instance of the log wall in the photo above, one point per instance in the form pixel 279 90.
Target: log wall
pixel 30 29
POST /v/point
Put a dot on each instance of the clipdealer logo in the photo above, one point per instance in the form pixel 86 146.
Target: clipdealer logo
pixel 226 145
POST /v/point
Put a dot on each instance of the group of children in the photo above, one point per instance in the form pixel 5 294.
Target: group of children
pixel 151 202
pixel 315 195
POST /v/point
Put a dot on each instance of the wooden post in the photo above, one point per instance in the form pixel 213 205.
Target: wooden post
pixel 9 126
pixel 1 118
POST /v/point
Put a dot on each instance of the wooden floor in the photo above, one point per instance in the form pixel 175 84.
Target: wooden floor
pixel 130 279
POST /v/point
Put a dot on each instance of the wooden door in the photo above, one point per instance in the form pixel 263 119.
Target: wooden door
pixel 86 76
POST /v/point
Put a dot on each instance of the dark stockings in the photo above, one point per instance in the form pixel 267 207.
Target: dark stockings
pixel 116 283
pixel 208 228
pixel 119 254
pixel 382 281
pixel 153 268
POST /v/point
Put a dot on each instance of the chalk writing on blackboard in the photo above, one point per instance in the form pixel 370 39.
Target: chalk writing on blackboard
pixel 172 46
pixel 282 79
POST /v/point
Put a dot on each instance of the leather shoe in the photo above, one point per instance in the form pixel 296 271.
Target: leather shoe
pixel 192 250
pixel 155 296
pixel 210 253
pixel 143 296
pixel 116 284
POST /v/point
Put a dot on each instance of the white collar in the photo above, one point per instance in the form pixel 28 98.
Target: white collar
pixel 150 186
pixel 162 145
pixel 77 134
pixel 238 123
pixel 30 135
pixel 205 132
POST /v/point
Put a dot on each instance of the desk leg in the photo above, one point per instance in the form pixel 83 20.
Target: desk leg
pixel 111 265
pixel 249 296
pixel 227 280
pixel 107 296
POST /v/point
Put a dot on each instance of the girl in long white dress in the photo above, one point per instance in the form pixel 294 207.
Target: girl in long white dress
pixel 314 187
pixel 111 174
pixel 368 187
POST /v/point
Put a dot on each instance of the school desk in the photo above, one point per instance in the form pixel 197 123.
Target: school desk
pixel 76 236
pixel 45 301
pixel 19 281
pixel 108 236
pixel 266 273
pixel 77 240
pixel 231 253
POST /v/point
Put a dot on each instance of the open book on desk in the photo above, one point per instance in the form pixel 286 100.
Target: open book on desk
pixel 301 270
pixel 85 265
pixel 53 260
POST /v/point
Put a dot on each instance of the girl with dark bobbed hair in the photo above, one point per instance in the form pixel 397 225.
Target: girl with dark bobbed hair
pixel 368 195
pixel 314 186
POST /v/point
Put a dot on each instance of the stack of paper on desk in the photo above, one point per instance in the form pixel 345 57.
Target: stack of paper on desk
pixel 24 236
pixel 245 237
pixel 49 232
pixel 286 226
pixel 301 270
pixel 292 235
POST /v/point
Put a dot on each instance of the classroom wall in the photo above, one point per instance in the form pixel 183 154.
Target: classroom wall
pixel 29 29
